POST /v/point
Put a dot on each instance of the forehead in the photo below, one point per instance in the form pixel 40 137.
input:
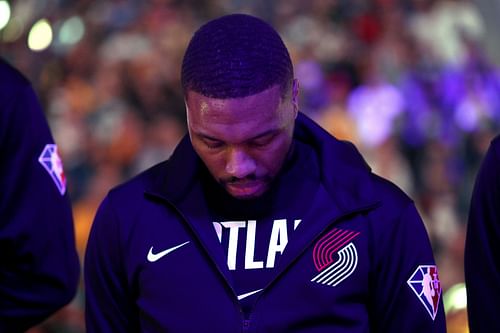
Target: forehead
pixel 207 114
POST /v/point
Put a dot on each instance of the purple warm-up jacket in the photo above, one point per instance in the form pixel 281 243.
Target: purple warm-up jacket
pixel 482 246
pixel 39 266
pixel 380 277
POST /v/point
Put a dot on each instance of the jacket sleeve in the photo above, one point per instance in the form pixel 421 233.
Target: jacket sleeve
pixel 407 293
pixel 109 304
pixel 39 265
pixel 482 247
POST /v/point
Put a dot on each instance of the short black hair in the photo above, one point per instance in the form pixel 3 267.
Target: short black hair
pixel 235 56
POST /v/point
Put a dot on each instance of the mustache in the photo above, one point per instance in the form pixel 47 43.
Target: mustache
pixel 249 178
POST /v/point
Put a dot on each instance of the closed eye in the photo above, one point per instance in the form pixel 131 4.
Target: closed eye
pixel 262 141
pixel 212 143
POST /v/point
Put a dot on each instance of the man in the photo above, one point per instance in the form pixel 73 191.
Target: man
pixel 482 248
pixel 260 221
pixel 39 269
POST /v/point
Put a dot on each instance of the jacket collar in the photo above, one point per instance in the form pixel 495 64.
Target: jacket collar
pixel 178 184
pixel 346 188
pixel 178 175
pixel 344 173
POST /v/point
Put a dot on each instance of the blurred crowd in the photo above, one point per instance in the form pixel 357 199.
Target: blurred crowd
pixel 408 81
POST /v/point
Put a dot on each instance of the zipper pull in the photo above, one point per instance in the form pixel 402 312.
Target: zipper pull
pixel 246 325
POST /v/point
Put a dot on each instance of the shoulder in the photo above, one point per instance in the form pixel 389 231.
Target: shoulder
pixel 494 150
pixel 395 211
pixel 496 142
pixel 125 204
pixel 491 161
pixel 19 103
pixel 135 188
pixel 164 181
pixel 12 83
pixel 388 193
pixel 486 192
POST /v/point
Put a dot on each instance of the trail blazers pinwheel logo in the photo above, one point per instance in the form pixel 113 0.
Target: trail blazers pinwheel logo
pixel 425 283
pixel 335 257
pixel 51 161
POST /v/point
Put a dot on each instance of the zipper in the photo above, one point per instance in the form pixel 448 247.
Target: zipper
pixel 246 325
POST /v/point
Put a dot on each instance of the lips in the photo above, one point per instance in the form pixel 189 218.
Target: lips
pixel 246 189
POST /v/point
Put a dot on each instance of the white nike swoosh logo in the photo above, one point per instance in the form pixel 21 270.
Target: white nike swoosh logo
pixel 240 297
pixel 152 257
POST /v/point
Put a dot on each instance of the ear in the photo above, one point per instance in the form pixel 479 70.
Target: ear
pixel 295 96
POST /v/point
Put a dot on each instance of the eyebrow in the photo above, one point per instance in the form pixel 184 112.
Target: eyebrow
pixel 256 137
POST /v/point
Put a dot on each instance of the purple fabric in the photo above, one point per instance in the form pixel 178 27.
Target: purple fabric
pixel 190 289
pixel 39 267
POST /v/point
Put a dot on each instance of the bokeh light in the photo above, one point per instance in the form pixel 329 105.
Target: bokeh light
pixel 71 31
pixel 455 298
pixel 4 13
pixel 40 35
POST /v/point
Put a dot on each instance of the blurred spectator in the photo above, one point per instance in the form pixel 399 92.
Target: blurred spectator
pixel 442 25
pixel 375 105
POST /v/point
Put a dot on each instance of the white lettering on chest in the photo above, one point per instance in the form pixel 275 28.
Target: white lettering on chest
pixel 234 227
pixel 250 247
pixel 296 224
pixel 278 241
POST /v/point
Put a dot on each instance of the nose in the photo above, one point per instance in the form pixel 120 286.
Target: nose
pixel 239 164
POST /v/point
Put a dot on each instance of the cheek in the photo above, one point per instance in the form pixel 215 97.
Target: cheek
pixel 273 158
pixel 213 161
pixel 215 164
